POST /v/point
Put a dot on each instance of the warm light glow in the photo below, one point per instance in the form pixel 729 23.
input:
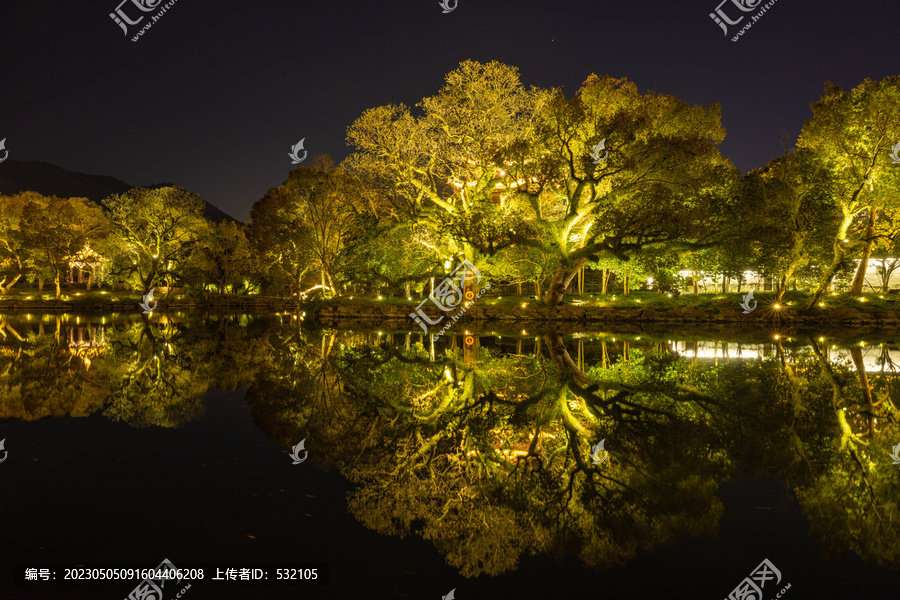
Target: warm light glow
pixel 379 297
pixel 862 299
pixel 777 306
pixel 447 264
pixel 524 305
pixel 821 304
pixel 777 336
pixel 669 295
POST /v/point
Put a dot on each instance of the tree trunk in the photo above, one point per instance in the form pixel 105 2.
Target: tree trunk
pixel 41 284
pixel 830 272
pixel 605 273
pixel 856 288
pixel 856 355
pixel 58 287
pixel 5 289
pixel 695 282
pixel 561 280
pixel 625 285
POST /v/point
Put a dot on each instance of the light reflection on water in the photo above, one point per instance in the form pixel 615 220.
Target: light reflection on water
pixel 508 417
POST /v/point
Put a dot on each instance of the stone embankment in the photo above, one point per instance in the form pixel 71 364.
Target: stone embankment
pixel 248 304
pixel 355 314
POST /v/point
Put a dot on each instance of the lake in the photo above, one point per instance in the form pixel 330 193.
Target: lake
pixel 760 459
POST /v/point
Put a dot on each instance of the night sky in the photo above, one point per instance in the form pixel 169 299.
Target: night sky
pixel 215 93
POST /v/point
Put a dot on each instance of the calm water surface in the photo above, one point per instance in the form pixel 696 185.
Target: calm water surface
pixel 471 464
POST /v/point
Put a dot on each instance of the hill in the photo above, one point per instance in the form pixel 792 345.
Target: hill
pixel 50 180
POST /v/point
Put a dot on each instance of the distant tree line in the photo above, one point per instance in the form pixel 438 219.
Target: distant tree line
pixel 517 181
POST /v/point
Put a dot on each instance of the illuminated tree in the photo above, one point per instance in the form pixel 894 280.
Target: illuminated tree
pixel 303 225
pixel 58 230
pixel 223 255
pixel 156 230
pixel 852 134
pixel 14 256
pixel 658 185
pixel 440 170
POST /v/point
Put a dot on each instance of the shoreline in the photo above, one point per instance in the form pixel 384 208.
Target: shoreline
pixel 381 314
pixel 335 311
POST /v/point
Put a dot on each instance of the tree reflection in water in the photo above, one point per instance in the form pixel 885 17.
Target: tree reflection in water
pixel 483 450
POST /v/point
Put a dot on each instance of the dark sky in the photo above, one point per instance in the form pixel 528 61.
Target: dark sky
pixel 214 95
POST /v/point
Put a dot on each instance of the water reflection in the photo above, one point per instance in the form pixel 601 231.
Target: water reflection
pixel 480 444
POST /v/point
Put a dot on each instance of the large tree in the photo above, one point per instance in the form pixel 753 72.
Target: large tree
pixel 440 170
pixel 852 134
pixel 223 256
pixel 58 229
pixel 795 209
pixel 302 225
pixel 14 253
pixel 156 231
pixel 613 172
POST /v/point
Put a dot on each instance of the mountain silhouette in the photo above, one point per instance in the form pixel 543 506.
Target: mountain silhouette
pixel 18 176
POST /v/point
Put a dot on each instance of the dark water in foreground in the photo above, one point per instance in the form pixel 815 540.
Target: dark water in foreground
pixel 465 466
